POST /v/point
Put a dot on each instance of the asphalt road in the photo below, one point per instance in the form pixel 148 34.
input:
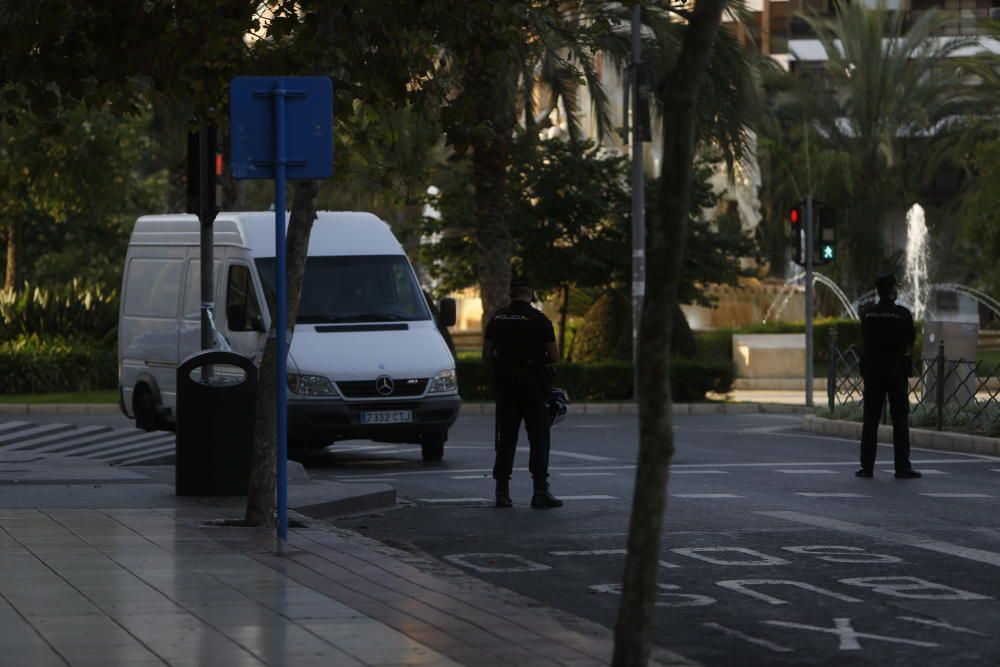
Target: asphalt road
pixel 774 553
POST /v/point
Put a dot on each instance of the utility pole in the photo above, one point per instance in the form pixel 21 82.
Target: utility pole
pixel 206 214
pixel 638 198
pixel 809 233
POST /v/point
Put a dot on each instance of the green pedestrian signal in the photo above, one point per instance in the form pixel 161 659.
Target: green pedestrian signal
pixel 827 252
pixel 827 236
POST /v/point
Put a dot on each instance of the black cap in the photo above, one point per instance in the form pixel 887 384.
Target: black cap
pixel 520 282
pixel 884 282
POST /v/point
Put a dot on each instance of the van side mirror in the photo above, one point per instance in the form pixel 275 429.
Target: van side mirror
pixel 448 312
pixel 236 317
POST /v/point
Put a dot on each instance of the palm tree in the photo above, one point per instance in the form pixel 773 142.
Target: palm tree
pixel 885 89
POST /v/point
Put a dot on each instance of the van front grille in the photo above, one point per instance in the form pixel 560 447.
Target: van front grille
pixel 370 388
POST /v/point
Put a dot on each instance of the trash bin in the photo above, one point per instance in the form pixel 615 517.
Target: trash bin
pixel 216 401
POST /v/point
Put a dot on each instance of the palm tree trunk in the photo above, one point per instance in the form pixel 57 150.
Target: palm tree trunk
pixel 665 238
pixel 495 115
pixel 11 268
pixel 263 473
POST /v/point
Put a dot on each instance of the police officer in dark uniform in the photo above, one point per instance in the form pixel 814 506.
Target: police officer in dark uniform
pixel 887 333
pixel 520 344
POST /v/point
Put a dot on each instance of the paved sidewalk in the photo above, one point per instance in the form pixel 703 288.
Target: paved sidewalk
pixel 87 582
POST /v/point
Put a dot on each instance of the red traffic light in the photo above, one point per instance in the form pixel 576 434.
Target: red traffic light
pixel 794 216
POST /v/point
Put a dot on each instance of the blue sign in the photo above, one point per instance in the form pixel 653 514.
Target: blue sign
pixel 308 126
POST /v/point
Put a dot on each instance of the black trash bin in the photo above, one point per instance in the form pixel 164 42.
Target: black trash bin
pixel 215 424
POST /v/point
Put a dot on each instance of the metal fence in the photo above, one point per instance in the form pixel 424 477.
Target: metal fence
pixel 960 394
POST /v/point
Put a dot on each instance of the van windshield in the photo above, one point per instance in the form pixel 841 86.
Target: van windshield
pixel 365 288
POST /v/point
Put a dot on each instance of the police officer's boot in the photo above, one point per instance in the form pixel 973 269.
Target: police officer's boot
pixel 542 499
pixel 503 494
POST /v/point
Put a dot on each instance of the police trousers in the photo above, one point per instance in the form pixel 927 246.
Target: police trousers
pixel 877 386
pixel 517 402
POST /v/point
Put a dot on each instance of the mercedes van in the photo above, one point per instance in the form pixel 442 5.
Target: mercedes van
pixel 367 360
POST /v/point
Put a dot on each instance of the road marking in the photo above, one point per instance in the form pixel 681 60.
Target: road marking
pixel 366 480
pixel 904 587
pixel 743 586
pixel 807 471
pixel 842 554
pixel 373 462
pixel 942 625
pixel 771 646
pixel 994 469
pixel 582 457
pixel 683 599
pixel 701 553
pixel 483 476
pixel 955 495
pixel 830 495
pixel 603 552
pixel 978 555
pixel 704 495
pixel 849 636
pixel 593 497
pixel 585 474
pixel 493 561
pixel 699 472
pixel 453 500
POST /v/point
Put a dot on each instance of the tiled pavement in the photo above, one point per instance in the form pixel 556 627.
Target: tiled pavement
pixel 137 587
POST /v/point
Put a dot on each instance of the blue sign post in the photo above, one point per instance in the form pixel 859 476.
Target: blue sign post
pixel 281 128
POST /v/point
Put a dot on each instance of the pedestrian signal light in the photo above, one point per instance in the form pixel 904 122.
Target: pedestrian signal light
pixel 827 237
pixel 796 216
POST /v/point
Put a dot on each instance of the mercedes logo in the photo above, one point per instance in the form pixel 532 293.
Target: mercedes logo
pixel 384 385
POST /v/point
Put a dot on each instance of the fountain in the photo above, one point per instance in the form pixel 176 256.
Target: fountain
pixel 794 284
pixel 917 254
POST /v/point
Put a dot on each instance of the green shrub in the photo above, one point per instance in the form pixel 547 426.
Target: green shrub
pixel 606 332
pixel 608 381
pixel 976 419
pixel 30 365
pixel 69 311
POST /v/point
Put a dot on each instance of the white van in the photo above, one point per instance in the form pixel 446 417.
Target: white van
pixel 367 359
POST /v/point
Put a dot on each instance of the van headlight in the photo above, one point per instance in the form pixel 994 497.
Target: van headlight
pixel 443 382
pixel 310 385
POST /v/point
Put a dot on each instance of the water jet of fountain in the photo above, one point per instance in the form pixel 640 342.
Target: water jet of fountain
pixel 917 255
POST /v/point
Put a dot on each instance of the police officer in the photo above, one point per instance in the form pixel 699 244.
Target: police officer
pixel 520 344
pixel 887 334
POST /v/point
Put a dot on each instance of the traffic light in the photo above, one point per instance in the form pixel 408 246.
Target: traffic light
pixel 797 219
pixel 827 238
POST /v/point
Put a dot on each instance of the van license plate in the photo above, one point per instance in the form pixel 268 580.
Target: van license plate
pixel 387 417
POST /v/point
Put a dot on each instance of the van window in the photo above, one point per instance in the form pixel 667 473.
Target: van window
pixel 153 287
pixel 362 288
pixel 240 292
pixel 192 289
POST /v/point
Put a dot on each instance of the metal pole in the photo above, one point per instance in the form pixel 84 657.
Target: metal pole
pixel 809 301
pixel 281 313
pixel 831 373
pixel 638 202
pixel 206 215
pixel 939 389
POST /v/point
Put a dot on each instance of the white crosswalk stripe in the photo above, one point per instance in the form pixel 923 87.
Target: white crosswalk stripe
pixel 118 446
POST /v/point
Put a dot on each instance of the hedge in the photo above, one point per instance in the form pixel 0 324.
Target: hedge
pixel 718 343
pixel 608 381
pixel 67 311
pixel 31 365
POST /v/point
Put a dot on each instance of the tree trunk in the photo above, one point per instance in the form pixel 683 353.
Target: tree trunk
pixel 495 115
pixel 263 474
pixel 665 236
pixel 563 314
pixel 13 251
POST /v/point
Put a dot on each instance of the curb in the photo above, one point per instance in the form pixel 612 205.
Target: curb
pixel 381 497
pixel 940 440
pixel 59 408
pixel 678 408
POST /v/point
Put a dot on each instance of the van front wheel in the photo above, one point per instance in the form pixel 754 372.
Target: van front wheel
pixel 144 406
pixel 432 447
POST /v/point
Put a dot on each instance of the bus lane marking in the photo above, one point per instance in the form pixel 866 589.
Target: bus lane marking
pixel 910 587
pixel 743 586
pixel 849 637
pixel 603 552
pixel 771 646
pixel 968 553
pixel 684 599
pixel 701 553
